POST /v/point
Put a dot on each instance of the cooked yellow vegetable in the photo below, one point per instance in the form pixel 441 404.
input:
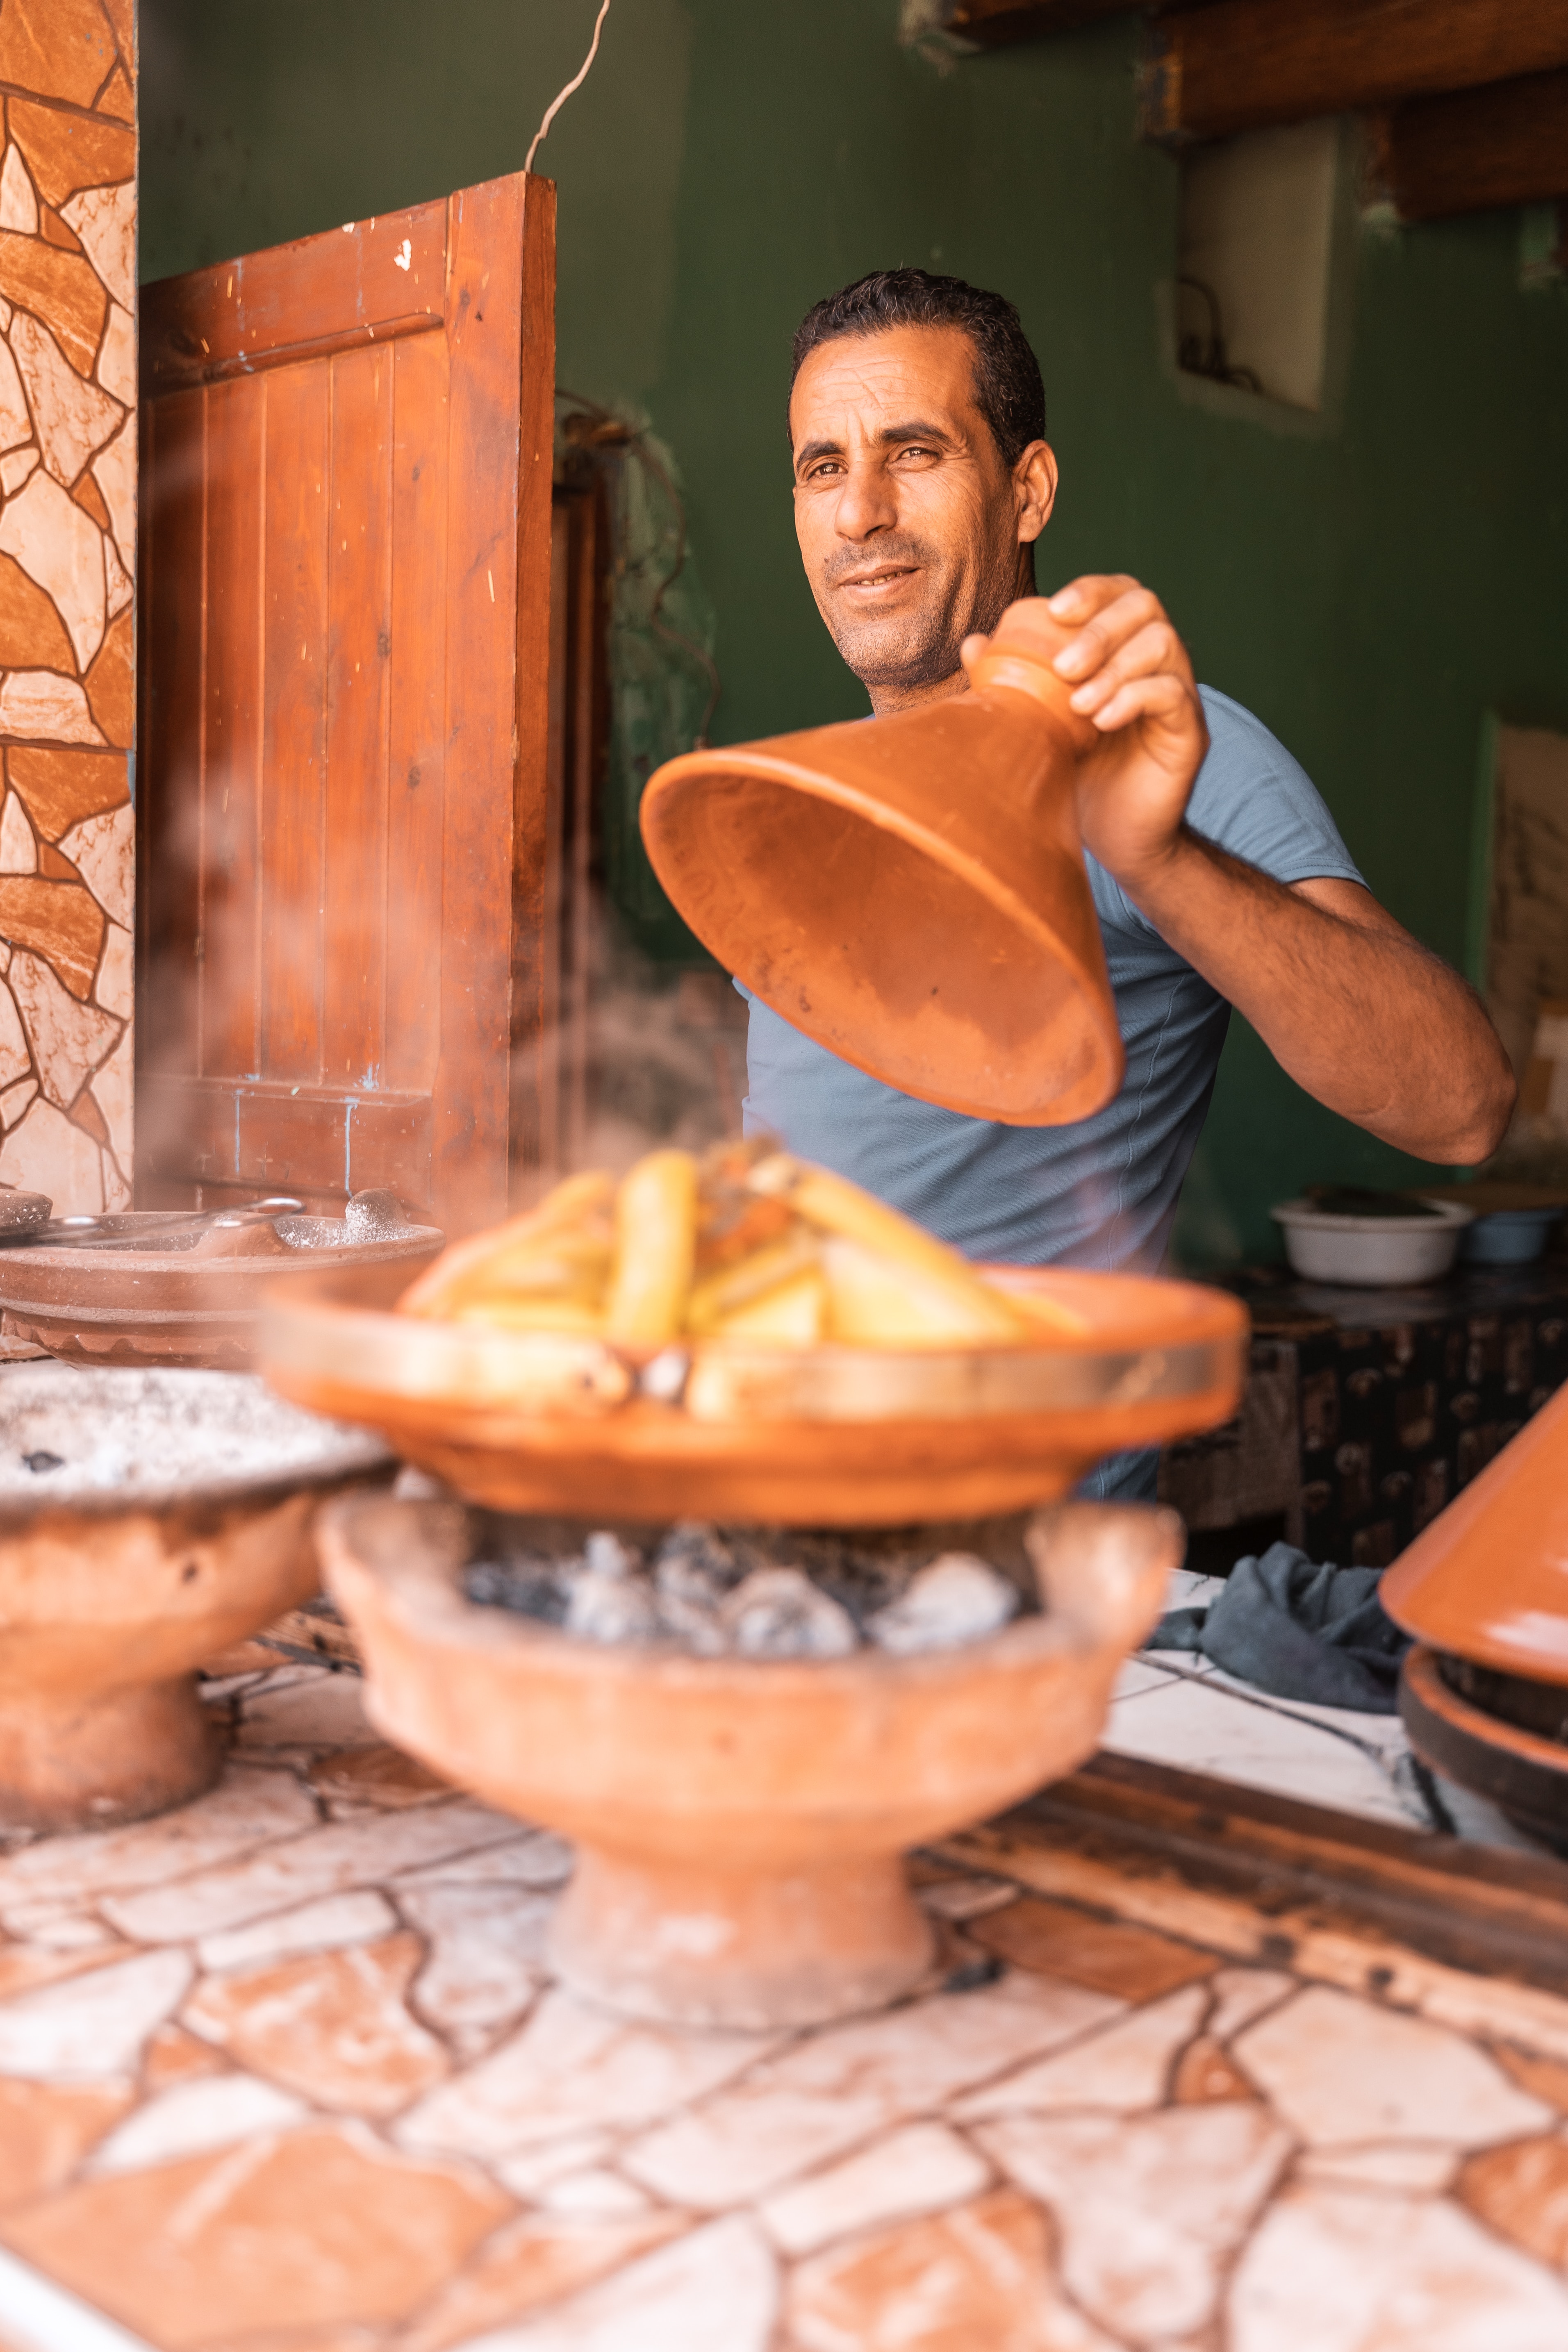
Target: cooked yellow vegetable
pixel 838 1207
pixel 466 1270
pixel 535 1314
pixel 537 1277
pixel 873 1302
pixel 655 1242
pixel 735 1286
pixel 793 1314
pixel 1049 1314
pixel 747 1243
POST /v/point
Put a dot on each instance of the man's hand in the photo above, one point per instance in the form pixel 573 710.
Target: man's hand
pixel 1359 1013
pixel 1131 676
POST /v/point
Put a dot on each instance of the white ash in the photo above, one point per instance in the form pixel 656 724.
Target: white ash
pixel 957 1599
pixel 109 1439
pixel 756 1593
pixel 611 1609
pixel 606 1598
pixel 778 1612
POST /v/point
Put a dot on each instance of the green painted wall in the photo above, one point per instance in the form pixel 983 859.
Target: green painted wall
pixel 1371 590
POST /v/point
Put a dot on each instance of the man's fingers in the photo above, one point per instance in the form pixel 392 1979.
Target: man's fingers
pixel 1109 630
pixel 1085 595
pixel 1155 647
pixel 1161 697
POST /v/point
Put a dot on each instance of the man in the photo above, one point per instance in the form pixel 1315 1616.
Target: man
pixel 922 479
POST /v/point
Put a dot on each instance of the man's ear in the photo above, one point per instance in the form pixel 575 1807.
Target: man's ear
pixel 1034 487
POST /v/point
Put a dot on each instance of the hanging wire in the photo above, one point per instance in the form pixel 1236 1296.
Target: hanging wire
pixel 578 78
pixel 1197 356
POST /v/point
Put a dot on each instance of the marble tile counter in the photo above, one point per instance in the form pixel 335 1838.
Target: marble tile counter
pixel 285 2073
pixel 1178 1707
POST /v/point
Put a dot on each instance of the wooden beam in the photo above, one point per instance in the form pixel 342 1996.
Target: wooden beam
pixel 997 24
pixel 1242 65
pixel 1474 149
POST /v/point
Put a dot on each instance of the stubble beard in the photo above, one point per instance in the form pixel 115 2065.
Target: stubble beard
pixel 922 648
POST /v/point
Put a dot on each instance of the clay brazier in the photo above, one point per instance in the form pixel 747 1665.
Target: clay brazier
pixel 740 1823
pixel 147 1521
pixel 910 890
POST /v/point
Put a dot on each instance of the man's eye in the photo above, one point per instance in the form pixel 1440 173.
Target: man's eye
pixel 917 450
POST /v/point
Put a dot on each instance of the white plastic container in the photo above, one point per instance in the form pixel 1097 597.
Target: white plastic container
pixel 1371 1253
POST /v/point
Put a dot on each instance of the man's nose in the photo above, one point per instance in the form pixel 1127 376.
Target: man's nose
pixel 866 503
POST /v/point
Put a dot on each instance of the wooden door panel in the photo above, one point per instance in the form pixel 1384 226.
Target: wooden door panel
pixel 358 652
pixel 228 856
pixel 370 282
pixel 415 766
pixel 272 1137
pixel 295 405
pixel 346 860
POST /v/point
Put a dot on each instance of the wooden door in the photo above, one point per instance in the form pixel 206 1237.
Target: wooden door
pixel 579 722
pixel 345 839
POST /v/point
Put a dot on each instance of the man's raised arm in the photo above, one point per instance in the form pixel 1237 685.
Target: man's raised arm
pixel 1363 1016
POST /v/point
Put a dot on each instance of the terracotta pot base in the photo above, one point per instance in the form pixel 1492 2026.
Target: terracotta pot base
pixel 147 1521
pixel 73 1761
pixel 699 1947
pixel 739 1821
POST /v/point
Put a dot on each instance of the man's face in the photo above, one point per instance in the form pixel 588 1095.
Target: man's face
pixel 909 523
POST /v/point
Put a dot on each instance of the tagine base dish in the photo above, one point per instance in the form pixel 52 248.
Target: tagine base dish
pixel 1521 1772
pixel 815 1436
pixel 130 1291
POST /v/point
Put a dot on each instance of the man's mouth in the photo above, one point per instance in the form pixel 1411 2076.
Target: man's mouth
pixel 878 581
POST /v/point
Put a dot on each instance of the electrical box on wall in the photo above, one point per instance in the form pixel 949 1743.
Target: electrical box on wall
pixel 1256 257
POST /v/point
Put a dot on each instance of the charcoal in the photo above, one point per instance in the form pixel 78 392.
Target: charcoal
pixel 778 1612
pixel 532 1588
pixel 693 1570
pixel 863 1572
pixel 756 1592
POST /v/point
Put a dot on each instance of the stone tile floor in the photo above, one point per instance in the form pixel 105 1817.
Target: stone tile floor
pixel 285 2073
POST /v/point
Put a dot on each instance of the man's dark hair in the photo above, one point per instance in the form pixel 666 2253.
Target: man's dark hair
pixel 1008 390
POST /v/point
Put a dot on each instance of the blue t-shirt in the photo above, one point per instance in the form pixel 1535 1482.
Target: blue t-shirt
pixel 1102 1191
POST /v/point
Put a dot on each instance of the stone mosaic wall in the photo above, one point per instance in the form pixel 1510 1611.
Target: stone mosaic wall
pixel 68 530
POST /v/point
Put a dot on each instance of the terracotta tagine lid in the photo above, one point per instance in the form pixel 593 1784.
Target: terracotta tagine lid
pixel 910 890
pixel 1488 1581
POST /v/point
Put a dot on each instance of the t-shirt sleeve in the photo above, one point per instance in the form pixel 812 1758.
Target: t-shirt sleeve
pixel 1252 798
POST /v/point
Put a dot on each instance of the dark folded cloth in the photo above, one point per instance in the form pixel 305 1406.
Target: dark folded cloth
pixel 1298 1631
